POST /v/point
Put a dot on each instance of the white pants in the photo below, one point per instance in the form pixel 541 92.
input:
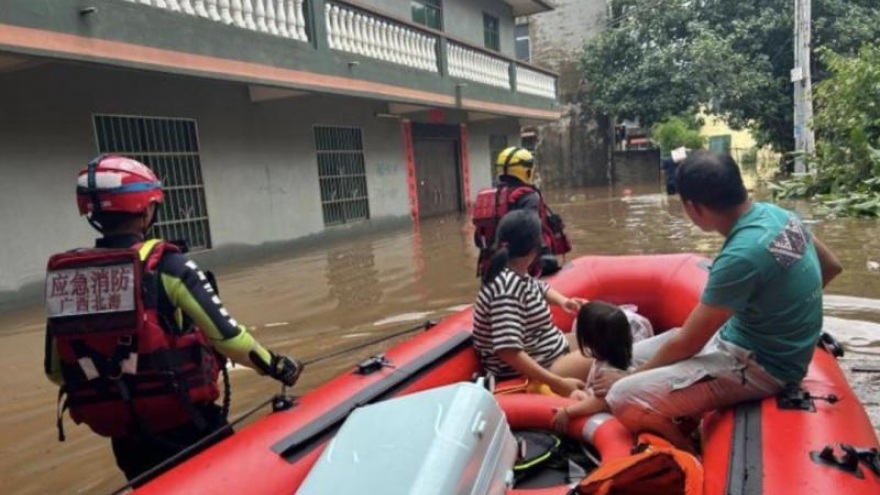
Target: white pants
pixel 720 375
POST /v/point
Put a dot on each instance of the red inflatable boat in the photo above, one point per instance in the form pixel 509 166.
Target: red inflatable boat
pixel 817 442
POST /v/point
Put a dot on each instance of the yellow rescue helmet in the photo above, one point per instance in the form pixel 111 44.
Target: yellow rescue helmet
pixel 516 162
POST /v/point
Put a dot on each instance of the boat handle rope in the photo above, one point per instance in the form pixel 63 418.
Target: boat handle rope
pixel 281 401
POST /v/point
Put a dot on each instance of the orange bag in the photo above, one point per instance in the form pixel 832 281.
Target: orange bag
pixel 656 467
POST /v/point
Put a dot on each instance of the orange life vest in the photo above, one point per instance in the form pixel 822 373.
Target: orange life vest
pixel 127 369
pixel 655 467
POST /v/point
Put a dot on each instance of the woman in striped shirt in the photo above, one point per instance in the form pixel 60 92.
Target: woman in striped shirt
pixel 513 331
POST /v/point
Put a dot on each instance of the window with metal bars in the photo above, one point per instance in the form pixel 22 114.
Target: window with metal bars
pixel 170 147
pixel 342 175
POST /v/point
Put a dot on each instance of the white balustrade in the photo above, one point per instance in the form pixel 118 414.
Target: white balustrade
pixel 213 9
pixel 353 31
pixel 296 16
pixel 332 30
pixel 247 12
pixel 285 18
pixel 260 15
pixel 474 65
pixel 535 83
pixel 271 20
pixel 187 7
pixel 281 19
pixel 201 11
pixel 224 7
pixel 237 13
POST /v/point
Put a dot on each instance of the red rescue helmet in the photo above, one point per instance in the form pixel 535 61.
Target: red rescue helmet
pixel 118 184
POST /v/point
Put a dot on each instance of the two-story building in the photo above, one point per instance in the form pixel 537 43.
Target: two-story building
pixel 267 120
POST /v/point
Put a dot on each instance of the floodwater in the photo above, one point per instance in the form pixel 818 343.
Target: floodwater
pixel 312 302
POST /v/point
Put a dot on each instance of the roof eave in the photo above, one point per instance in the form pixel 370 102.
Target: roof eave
pixel 533 7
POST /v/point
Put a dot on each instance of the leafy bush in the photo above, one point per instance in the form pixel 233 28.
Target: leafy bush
pixel 847 124
pixel 676 132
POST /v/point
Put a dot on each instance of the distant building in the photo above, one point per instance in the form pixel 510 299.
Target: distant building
pixel 575 149
pixel 267 120
pixel 740 144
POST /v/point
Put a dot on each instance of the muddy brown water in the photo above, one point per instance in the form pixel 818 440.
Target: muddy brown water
pixel 311 302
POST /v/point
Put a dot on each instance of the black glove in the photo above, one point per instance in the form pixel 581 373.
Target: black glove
pixel 284 369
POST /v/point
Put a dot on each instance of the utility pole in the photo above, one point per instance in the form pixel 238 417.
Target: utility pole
pixel 804 139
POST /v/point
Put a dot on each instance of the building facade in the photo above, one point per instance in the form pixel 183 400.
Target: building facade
pixel 577 148
pixel 267 120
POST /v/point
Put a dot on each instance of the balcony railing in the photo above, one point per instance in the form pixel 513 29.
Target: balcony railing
pixel 361 30
pixel 478 66
pixel 363 33
pixel 536 83
pixel 277 17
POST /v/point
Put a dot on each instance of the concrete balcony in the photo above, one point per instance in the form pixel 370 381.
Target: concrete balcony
pixel 333 46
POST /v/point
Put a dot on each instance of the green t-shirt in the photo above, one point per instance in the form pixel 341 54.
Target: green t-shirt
pixel 768 273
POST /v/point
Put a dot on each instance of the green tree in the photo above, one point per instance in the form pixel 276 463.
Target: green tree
pixel 847 124
pixel 676 132
pixel 669 57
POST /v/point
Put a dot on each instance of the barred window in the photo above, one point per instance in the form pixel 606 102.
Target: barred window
pixel 342 175
pixel 170 147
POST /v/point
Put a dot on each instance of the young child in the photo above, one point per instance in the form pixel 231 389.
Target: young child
pixel 604 332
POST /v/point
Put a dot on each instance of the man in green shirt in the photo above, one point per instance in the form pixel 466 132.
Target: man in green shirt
pixel 758 320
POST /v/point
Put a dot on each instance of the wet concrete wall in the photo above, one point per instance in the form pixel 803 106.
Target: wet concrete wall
pixel 636 167
pixel 576 149
pixel 557 38
pixel 258 159
pixel 572 150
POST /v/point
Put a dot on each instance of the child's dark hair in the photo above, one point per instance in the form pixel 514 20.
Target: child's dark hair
pixel 604 330
pixel 519 233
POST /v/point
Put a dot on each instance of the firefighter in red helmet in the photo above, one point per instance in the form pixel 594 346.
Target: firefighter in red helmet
pixel 136 334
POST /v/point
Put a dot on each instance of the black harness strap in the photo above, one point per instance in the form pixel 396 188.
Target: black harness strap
pixel 92 190
pixel 509 158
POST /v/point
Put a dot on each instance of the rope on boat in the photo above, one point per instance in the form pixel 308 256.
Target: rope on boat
pixel 421 326
pixel 225 429
pixel 278 401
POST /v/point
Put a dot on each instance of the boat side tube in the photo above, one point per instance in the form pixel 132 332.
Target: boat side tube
pixel 604 432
